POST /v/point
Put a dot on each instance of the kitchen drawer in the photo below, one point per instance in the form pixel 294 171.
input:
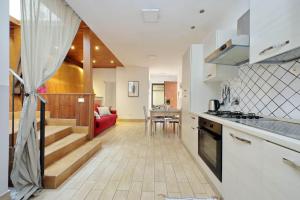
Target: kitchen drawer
pixel 242 163
pixel 193 120
pixel 281 172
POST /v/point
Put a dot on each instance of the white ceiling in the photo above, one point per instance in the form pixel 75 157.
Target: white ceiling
pixel 120 25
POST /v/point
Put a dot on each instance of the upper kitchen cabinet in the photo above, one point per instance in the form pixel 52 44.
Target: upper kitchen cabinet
pixel 215 72
pixel 195 93
pixel 274 30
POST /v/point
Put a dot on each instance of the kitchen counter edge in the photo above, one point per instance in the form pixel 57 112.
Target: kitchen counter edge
pixel 287 142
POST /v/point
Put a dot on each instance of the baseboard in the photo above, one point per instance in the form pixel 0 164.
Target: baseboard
pixel 131 120
pixel 5 196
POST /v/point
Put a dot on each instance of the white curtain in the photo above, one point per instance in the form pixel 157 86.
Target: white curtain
pixel 48 28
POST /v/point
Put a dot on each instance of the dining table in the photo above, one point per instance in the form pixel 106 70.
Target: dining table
pixel 167 112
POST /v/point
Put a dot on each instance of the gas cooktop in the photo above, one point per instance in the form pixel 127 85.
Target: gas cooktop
pixel 234 114
pixel 288 129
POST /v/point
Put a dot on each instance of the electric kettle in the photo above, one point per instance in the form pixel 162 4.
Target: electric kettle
pixel 213 105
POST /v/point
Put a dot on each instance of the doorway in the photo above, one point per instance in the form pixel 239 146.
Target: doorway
pixel 163 92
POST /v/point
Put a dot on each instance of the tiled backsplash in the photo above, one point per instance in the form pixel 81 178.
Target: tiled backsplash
pixel 267 89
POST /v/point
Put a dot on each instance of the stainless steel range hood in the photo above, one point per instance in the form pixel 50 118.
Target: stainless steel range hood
pixel 236 50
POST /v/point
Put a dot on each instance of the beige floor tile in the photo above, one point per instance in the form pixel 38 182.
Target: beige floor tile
pixel 135 191
pixel 121 195
pixel 160 190
pixel 93 195
pixel 185 189
pixel 147 196
pixel 148 185
pixel 135 166
pixel 109 191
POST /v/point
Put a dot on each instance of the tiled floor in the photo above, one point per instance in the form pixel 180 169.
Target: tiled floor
pixel 133 166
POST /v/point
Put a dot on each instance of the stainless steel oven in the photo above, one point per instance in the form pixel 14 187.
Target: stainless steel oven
pixel 210 145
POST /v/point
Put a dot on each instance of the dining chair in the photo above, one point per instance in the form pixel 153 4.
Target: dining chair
pixel 159 119
pixel 175 121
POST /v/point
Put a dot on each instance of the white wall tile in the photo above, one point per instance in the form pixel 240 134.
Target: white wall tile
pixel 268 89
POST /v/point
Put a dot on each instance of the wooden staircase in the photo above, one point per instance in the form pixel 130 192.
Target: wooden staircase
pixel 67 148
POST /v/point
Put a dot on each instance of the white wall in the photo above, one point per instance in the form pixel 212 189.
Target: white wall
pixel 100 78
pixel 131 107
pixel 4 66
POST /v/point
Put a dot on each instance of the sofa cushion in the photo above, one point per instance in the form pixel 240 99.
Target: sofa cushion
pixel 104 111
pixel 96 114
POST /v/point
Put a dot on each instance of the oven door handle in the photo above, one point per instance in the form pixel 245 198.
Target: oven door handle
pixel 240 139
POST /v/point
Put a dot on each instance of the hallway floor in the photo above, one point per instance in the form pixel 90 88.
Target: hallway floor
pixel 133 166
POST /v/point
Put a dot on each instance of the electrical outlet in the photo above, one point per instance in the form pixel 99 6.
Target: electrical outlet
pixel 295 69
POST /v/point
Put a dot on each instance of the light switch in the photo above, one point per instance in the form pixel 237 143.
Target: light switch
pixel 80 100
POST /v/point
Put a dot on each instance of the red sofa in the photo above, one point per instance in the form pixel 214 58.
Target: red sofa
pixel 104 122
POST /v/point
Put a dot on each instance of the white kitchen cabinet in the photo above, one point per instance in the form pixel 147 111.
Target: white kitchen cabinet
pixel 274 28
pixel 213 72
pixel 242 164
pixel 190 133
pixel 195 93
pixel 280 173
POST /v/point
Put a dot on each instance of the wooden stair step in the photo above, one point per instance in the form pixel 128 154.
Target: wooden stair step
pixel 62 147
pixel 55 133
pixel 60 170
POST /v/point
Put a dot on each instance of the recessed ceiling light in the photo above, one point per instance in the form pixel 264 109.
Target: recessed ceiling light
pixel 193 27
pixel 81 61
pixel 97 48
pixel 150 15
pixel 72 47
pixel 112 62
pixel 94 61
pixel 202 11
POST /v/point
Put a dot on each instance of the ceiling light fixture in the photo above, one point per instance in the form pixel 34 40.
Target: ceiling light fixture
pixel 112 62
pixel 202 11
pixel 97 48
pixel 94 61
pixel 193 27
pixel 72 47
pixel 150 15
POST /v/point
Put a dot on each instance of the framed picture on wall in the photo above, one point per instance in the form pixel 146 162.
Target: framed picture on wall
pixel 133 88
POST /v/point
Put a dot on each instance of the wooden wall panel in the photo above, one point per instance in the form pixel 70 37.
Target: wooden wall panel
pixel 66 106
pixel 67 79
pixel 171 92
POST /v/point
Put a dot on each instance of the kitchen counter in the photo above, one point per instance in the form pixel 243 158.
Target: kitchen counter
pixel 266 135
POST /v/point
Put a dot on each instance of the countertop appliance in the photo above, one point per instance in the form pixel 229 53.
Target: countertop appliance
pixel 287 129
pixel 210 145
pixel 213 105
pixel 236 50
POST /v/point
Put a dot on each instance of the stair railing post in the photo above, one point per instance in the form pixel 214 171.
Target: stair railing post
pixel 42 140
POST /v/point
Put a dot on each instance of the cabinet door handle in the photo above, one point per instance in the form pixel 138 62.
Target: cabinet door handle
pixel 240 139
pixel 193 117
pixel 295 164
pixel 193 128
pixel 209 75
pixel 276 46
